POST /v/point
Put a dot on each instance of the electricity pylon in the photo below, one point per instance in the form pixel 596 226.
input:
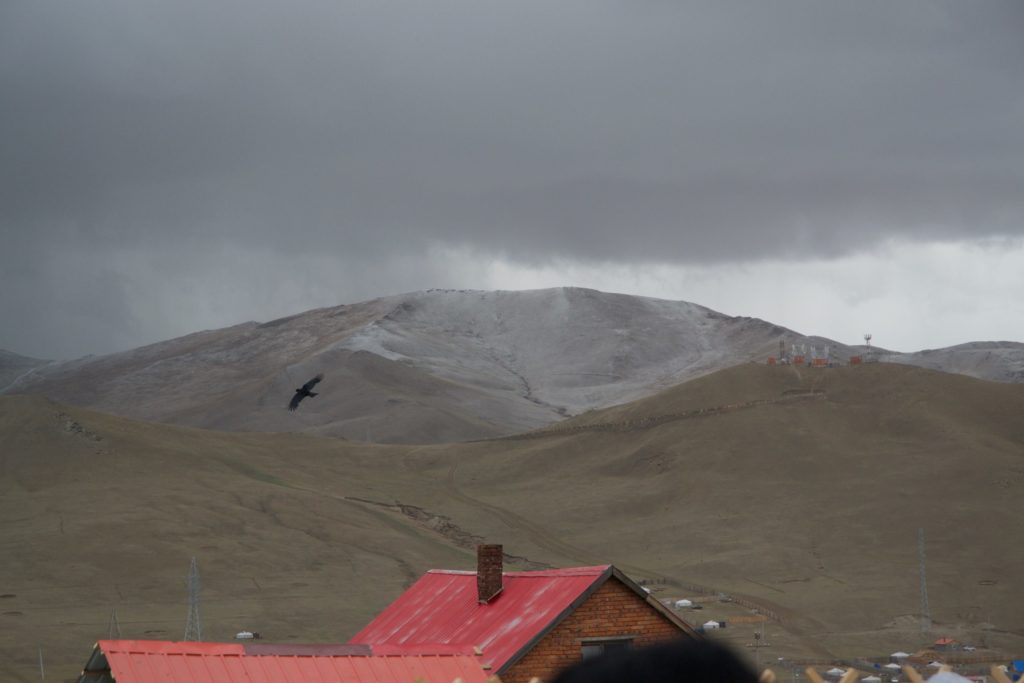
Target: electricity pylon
pixel 193 627
pixel 926 615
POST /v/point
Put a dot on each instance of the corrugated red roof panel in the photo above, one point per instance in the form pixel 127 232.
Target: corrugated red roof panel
pixel 143 661
pixel 442 607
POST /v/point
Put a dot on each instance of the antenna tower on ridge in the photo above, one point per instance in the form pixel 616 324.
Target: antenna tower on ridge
pixel 869 355
pixel 193 627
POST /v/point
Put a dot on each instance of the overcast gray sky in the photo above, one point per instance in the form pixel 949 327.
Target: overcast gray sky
pixel 836 167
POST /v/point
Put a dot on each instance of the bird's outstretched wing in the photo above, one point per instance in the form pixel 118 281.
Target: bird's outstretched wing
pixel 294 403
pixel 308 386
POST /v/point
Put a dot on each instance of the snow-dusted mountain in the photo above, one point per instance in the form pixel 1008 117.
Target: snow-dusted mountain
pixel 1001 361
pixel 13 368
pixel 427 366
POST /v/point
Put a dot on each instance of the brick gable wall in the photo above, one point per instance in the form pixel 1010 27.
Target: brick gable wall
pixel 612 610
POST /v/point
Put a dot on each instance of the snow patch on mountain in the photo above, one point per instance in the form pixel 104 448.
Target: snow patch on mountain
pixel 572 349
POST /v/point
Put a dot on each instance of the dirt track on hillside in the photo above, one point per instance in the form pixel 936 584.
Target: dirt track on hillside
pixel 658 420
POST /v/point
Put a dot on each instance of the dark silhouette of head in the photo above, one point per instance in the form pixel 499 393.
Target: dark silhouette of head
pixel 684 661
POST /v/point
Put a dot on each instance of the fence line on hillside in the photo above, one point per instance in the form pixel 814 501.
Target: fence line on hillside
pixel 749 604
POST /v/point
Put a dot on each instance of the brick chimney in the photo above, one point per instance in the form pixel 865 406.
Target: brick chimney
pixel 488 572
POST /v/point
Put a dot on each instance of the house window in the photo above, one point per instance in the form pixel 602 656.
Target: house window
pixel 591 647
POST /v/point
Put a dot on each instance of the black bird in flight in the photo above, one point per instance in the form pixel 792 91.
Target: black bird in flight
pixel 304 391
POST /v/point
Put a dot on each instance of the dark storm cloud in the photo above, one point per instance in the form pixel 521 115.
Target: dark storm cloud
pixel 691 131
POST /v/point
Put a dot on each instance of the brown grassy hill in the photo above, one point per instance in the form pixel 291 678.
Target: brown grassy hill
pixel 101 512
pixel 804 495
pixel 805 489
pixel 879 393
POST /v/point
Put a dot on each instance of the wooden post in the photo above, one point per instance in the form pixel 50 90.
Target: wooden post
pixel 912 674
pixel 813 675
pixel 998 674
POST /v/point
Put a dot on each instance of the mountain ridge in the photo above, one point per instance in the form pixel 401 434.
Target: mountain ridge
pixel 441 365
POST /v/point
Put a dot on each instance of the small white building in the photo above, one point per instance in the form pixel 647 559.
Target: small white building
pixel 711 625
pixel 684 604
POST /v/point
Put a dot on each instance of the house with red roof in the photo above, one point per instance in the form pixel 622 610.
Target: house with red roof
pixel 146 661
pixel 523 624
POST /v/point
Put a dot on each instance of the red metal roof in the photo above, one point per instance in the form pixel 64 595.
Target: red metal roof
pixel 442 607
pixel 143 661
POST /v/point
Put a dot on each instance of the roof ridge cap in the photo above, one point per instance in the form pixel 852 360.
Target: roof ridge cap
pixel 561 571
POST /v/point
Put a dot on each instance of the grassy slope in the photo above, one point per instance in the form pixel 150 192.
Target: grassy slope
pixel 90 525
pixel 810 505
